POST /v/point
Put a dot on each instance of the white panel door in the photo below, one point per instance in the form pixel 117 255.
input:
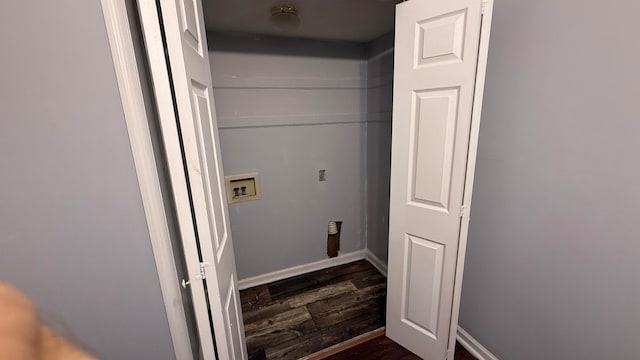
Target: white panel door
pixel 436 54
pixel 212 256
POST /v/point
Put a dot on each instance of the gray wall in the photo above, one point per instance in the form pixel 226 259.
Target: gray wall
pixel 379 109
pixel 72 230
pixel 554 245
pixel 287 108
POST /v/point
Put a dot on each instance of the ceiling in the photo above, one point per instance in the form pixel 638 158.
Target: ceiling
pixel 348 20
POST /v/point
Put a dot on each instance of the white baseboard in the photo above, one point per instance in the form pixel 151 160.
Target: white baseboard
pixel 375 261
pixel 301 269
pixel 473 346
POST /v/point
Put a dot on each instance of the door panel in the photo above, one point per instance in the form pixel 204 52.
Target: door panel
pixel 231 316
pixel 208 247
pixel 432 127
pixel 436 53
pixel 208 156
pixel 190 25
pixel 422 293
pixel 441 39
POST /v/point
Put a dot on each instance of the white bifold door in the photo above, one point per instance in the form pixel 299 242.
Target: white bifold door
pixel 438 77
pixel 175 37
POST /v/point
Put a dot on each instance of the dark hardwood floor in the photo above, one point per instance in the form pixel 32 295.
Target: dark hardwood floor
pixel 299 316
pixel 382 348
pixel 295 317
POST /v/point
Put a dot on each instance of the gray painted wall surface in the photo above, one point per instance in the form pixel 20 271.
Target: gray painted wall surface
pixel 380 45
pixel 553 253
pixel 73 234
pixel 379 109
pixel 287 108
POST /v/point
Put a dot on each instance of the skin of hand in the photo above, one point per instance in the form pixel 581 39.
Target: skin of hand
pixel 23 336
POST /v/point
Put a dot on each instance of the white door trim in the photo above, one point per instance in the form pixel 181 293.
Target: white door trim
pixel 483 51
pixel 122 51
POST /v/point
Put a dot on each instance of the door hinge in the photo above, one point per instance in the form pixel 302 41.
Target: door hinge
pixel 464 211
pixel 203 270
pixel 201 276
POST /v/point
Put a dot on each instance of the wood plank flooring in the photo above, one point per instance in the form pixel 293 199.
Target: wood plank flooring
pixel 382 348
pixel 295 317
pixel 299 316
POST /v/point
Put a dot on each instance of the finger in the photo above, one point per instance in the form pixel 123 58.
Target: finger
pixel 19 325
pixel 55 347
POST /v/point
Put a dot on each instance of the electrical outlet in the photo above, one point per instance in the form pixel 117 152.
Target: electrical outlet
pixel 322 175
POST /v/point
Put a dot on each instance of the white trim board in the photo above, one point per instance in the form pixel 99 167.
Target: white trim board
pixel 235 122
pixel 345 345
pixel 300 269
pixel 376 262
pixel 128 78
pixel 473 346
pixel 258 82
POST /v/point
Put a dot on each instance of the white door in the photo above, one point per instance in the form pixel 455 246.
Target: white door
pixel 436 55
pixel 195 170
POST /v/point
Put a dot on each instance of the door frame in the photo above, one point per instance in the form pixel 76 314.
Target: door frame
pixel 128 78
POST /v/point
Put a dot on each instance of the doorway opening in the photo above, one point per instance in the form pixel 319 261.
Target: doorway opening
pixel 304 129
pixel 307 108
